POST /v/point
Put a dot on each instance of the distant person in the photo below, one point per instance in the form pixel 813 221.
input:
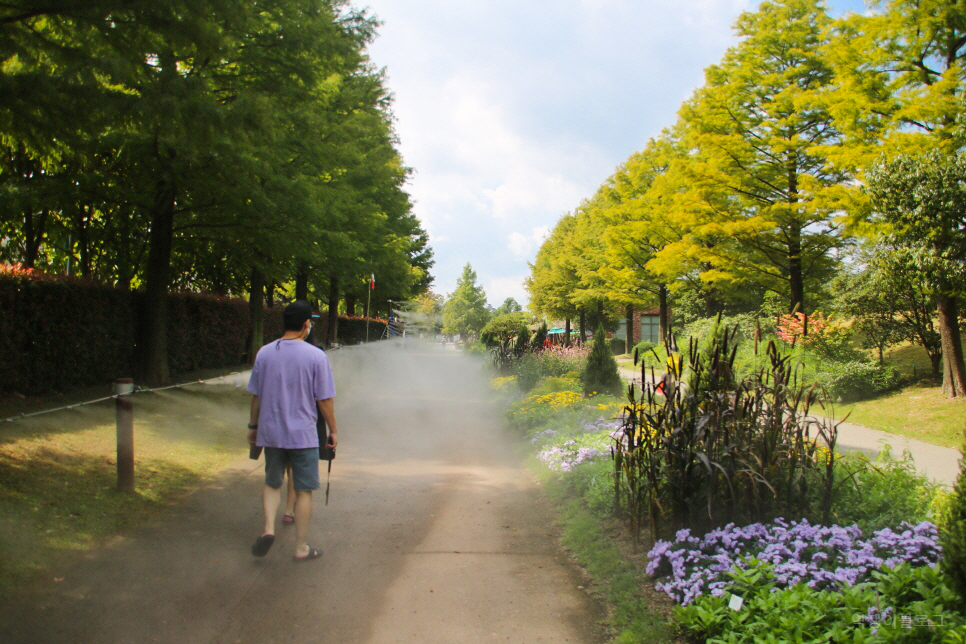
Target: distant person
pixel 291 384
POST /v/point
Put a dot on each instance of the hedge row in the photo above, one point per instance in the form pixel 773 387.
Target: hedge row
pixel 58 333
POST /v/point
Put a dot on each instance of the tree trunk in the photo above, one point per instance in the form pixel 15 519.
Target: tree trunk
pixel 84 239
pixel 663 315
pixel 332 335
pixel 256 295
pixel 583 331
pixel 629 321
pixel 270 294
pixel 350 304
pixel 33 236
pixel 567 333
pixel 796 281
pixel 954 369
pixel 302 283
pixel 154 321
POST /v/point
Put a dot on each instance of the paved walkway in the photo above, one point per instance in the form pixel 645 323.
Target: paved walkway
pixel 940 464
pixel 435 533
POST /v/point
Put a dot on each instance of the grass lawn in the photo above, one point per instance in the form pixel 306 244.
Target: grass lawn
pixel 58 475
pixel 919 411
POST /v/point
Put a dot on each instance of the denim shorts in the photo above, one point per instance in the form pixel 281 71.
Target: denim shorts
pixel 305 467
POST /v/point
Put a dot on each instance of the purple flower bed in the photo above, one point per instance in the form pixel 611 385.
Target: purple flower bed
pixel 568 456
pixel 822 557
pixel 564 458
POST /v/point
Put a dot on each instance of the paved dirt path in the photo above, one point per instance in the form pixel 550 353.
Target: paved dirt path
pixel 434 533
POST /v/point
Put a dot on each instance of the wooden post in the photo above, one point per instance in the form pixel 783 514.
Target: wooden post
pixel 124 387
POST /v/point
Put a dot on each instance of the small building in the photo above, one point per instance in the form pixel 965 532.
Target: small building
pixel 647 326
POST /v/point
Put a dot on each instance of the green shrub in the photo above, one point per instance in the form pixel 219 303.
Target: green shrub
pixel 881 493
pixel 856 380
pixel 529 371
pixel 953 535
pixel 206 331
pixel 869 612
pixel 536 344
pixel 58 332
pixel 617 346
pixel 643 347
pixel 601 375
pixel 353 329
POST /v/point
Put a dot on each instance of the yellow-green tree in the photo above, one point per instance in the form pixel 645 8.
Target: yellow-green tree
pixel 553 277
pixel 760 180
pixel 900 79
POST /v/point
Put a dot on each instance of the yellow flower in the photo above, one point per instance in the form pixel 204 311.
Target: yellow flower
pixel 497 384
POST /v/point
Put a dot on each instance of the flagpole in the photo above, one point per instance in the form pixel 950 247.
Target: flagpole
pixel 372 285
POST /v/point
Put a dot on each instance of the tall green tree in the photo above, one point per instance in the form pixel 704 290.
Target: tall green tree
pixel 758 171
pixel 465 311
pixel 923 200
pixel 553 276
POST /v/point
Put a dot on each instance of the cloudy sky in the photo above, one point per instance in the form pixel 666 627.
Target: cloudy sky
pixel 512 112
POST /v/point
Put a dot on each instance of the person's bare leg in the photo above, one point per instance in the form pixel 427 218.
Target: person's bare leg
pixel 303 514
pixel 289 492
pixel 271 499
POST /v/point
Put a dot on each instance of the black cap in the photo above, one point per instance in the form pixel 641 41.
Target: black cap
pixel 297 313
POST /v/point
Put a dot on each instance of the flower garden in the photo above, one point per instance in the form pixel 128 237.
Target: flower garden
pixel 745 516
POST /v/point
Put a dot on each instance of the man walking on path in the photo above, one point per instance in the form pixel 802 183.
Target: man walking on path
pixel 291 383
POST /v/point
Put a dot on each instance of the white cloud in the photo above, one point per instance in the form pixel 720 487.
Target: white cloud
pixel 499 288
pixel 523 246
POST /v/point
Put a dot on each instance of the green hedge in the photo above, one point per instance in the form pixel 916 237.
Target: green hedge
pixel 206 332
pixel 352 329
pixel 57 333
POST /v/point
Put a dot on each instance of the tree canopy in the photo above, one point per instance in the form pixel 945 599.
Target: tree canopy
pixel 210 145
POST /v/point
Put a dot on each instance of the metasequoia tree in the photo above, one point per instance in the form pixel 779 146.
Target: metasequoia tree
pixel 553 276
pixel 760 181
pixel 465 310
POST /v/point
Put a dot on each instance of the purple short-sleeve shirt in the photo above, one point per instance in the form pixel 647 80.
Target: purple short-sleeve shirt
pixel 289 376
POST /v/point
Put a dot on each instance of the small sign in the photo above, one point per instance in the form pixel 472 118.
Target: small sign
pixel 736 602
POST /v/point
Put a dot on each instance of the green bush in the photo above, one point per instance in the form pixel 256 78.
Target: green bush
pixel 352 329
pixel 952 535
pixel 856 380
pixel 881 493
pixel 869 612
pixel 58 333
pixel 205 331
pixel 536 344
pixel 601 375
pixel 643 347
pixel 617 346
pixel 529 371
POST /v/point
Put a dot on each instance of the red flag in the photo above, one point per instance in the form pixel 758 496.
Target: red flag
pixel 372 281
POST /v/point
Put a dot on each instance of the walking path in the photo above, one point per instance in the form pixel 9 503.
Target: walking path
pixel 435 533
pixel 940 464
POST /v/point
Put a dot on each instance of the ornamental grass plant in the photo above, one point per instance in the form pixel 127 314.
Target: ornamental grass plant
pixel 703 448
